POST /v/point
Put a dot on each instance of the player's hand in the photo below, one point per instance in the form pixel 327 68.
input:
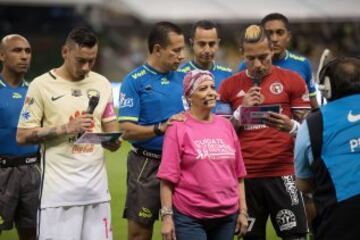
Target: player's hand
pixel 179 117
pixel 253 97
pixel 80 123
pixel 242 225
pixel 279 121
pixel 112 145
pixel 168 228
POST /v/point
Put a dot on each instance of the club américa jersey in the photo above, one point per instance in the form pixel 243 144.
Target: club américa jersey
pixel 267 151
pixel 296 63
pixel 73 174
pixel 11 102
pixel 148 97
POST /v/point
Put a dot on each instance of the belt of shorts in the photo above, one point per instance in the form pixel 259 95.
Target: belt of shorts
pixel 6 161
pixel 147 153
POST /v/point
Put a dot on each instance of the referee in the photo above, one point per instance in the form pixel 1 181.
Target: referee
pixel 19 174
pixel 149 96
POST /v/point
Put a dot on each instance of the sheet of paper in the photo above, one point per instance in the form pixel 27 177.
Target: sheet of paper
pixel 98 138
pixel 256 114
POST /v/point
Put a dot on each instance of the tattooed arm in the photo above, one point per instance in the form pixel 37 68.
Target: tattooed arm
pixel 75 125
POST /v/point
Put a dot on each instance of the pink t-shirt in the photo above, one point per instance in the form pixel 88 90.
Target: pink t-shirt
pixel 204 162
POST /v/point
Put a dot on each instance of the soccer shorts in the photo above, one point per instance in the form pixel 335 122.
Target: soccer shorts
pixel 279 198
pixel 19 196
pixel 143 190
pixel 87 222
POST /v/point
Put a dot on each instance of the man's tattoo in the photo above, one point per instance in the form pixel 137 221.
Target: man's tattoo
pixel 300 114
pixel 38 136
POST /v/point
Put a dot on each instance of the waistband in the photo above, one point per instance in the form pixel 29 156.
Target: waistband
pixel 147 153
pixel 6 161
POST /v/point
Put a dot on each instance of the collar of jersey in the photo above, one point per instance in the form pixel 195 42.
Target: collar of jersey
pixel 282 59
pixel 3 83
pixel 193 64
pixel 152 70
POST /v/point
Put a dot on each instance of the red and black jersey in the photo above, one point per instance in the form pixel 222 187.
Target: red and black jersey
pixel 267 151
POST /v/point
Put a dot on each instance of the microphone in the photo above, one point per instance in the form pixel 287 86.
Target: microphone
pixel 93 102
pixel 256 81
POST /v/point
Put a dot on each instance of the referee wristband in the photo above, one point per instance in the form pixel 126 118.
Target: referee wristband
pixel 157 130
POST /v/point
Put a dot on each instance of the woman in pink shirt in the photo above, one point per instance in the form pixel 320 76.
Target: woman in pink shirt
pixel 202 170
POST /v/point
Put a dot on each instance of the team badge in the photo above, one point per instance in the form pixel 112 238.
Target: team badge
pixel 76 92
pixel 286 219
pixel 29 101
pixel 93 93
pixel 276 88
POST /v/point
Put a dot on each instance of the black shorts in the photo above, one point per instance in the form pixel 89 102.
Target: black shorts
pixel 19 196
pixel 279 198
pixel 143 190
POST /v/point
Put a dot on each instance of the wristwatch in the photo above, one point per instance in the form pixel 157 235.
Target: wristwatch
pixel 157 130
pixel 164 211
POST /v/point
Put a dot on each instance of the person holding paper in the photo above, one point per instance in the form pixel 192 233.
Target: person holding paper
pixel 202 170
pixel 60 105
pixel 268 148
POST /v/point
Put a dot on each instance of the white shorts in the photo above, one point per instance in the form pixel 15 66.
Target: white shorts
pixel 88 222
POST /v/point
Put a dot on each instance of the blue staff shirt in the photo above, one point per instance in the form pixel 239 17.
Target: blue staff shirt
pixel 11 102
pixel 148 97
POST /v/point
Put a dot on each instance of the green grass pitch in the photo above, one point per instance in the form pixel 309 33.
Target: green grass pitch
pixel 116 165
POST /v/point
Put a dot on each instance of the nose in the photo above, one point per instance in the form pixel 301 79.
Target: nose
pixel 257 63
pixel 86 67
pixel 181 55
pixel 274 37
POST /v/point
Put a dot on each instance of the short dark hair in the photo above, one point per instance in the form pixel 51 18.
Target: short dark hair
pixel 254 34
pixel 204 24
pixel 82 36
pixel 275 16
pixel 159 34
pixel 344 74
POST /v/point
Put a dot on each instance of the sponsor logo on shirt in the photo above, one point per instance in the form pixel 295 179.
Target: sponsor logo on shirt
pixel 164 81
pixel 29 101
pixel 16 95
pixel 25 115
pixel 354 144
pixel 241 93
pixel 353 117
pixel 53 98
pixel 83 148
pixel 125 102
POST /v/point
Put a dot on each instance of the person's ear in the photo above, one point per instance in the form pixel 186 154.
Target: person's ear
pixel 157 49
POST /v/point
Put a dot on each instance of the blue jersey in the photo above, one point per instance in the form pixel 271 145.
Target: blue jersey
pixel 148 97
pixel 220 72
pixel 11 102
pixel 296 63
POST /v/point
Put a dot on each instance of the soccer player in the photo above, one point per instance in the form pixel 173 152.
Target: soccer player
pixel 327 153
pixel 19 172
pixel 149 96
pixel 277 26
pixel 268 148
pixel 204 41
pixel 75 199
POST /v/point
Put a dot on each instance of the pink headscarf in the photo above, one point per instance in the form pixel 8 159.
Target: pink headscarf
pixel 193 79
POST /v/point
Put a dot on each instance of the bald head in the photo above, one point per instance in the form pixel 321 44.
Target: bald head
pixel 15 54
pixel 9 38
